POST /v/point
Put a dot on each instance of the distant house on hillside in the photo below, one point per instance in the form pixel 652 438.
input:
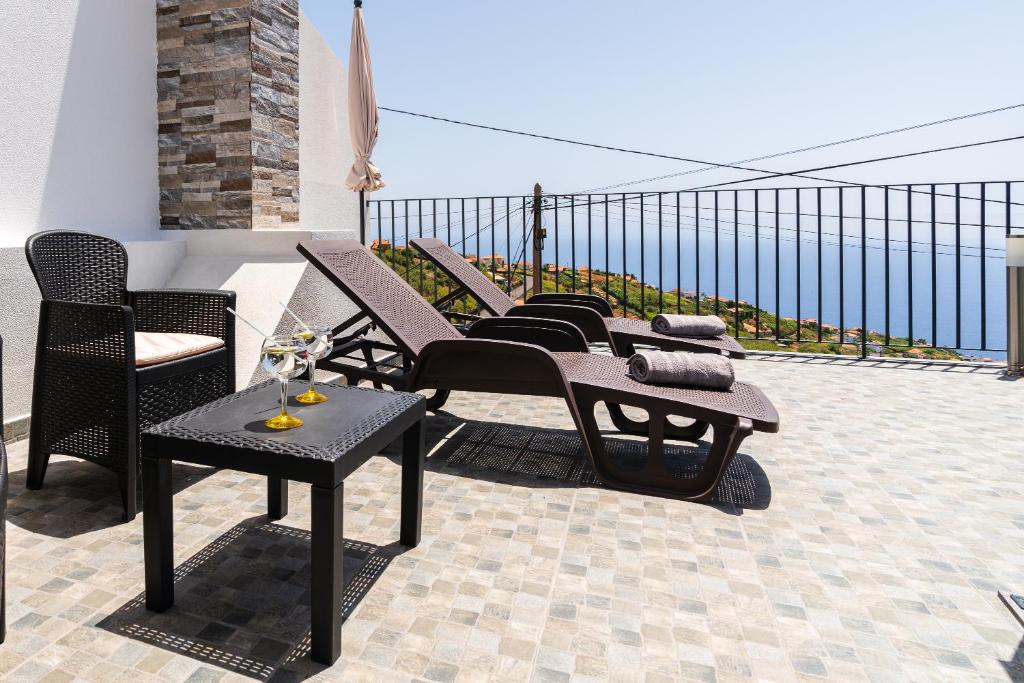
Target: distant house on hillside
pixel 380 244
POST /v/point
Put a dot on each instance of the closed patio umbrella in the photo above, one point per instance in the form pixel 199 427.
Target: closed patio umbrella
pixel 363 118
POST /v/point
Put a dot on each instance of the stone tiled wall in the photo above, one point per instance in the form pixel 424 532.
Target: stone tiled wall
pixel 227 89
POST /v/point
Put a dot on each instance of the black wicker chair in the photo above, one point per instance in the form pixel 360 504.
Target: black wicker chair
pixel 89 398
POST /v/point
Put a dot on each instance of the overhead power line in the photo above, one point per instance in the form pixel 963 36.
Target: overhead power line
pixel 767 174
pixel 809 148
pixel 891 157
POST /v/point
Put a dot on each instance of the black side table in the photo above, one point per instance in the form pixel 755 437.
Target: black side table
pixel 338 437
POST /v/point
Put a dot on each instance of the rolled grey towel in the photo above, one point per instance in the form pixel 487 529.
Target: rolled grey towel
pixel 704 370
pixel 688 325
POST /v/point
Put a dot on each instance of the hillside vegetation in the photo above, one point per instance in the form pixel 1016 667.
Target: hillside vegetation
pixel 632 300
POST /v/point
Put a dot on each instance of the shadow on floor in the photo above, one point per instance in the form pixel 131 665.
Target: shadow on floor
pixel 78 497
pixel 544 457
pixel 1015 666
pixel 242 602
pixel 995 369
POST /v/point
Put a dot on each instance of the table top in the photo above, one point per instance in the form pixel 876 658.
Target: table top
pixel 355 423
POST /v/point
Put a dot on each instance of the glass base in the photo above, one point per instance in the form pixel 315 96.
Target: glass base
pixel 283 421
pixel 311 396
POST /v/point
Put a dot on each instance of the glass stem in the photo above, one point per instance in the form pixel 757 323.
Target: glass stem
pixel 284 397
pixel 312 380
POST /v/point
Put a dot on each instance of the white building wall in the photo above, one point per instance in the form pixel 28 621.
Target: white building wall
pixel 78 150
pixel 78 118
pixel 325 151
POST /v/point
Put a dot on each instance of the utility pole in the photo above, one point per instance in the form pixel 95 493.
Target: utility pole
pixel 538 239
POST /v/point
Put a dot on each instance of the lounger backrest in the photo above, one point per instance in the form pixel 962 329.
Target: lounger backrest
pixel 481 287
pixel 380 292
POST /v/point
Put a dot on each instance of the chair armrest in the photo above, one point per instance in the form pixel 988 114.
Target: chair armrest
pixel 71 331
pixel 553 335
pixel 191 311
pixel 589 300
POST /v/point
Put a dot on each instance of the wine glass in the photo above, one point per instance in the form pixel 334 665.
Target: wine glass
pixel 283 357
pixel 318 340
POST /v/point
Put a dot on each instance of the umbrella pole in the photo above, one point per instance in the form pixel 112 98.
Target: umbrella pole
pixel 362 215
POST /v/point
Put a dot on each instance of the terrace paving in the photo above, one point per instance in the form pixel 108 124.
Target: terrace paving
pixel 866 541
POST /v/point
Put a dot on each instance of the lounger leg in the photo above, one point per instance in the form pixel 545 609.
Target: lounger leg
pixel 368 357
pixel 673 432
pixel 654 478
pixel 439 398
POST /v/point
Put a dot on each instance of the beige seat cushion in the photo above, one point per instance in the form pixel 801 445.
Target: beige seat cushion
pixel 159 347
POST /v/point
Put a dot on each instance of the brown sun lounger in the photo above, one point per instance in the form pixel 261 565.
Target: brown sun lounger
pixel 543 358
pixel 592 314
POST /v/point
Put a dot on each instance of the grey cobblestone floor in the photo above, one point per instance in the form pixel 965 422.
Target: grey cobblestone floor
pixel 866 541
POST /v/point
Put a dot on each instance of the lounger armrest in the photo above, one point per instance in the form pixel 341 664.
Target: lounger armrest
pixel 589 321
pixel 489 365
pixel 553 335
pixel 589 300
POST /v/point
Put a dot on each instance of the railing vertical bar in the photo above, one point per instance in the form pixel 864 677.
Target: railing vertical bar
pixel 717 298
pixel 842 274
pixel 494 248
pixel 607 257
pixel 508 245
pixel 679 256
pixel 757 265
pixel 736 260
pixel 643 286
pixel 394 234
pixel 380 229
pixel 527 253
pixel 462 221
pixel 448 219
pixel 885 223
pixel 981 240
pixel 956 214
pixel 661 260
pixel 558 273
pixel 910 265
pixel 405 240
pixel 863 272
pixel 818 201
pixel 590 245
pixel 935 277
pixel 778 280
pixel 433 233
pixel 1006 205
pixel 626 291
pixel 798 221
pixel 572 238
pixel 696 252
pixel 419 221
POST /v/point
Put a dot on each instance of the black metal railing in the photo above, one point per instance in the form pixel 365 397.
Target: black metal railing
pixel 917 267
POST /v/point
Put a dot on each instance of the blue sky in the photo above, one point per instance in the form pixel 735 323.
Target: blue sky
pixel 713 80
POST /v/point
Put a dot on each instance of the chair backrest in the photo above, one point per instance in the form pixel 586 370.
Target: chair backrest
pixel 380 293
pixel 78 266
pixel 481 287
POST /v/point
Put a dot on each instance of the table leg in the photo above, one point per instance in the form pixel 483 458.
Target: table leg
pixel 327 582
pixel 158 530
pixel 413 456
pixel 277 498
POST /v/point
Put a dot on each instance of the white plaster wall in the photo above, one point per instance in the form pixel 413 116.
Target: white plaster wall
pixel 325 151
pixel 78 118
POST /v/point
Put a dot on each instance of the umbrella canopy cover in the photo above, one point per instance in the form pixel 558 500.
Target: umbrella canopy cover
pixel 363 118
